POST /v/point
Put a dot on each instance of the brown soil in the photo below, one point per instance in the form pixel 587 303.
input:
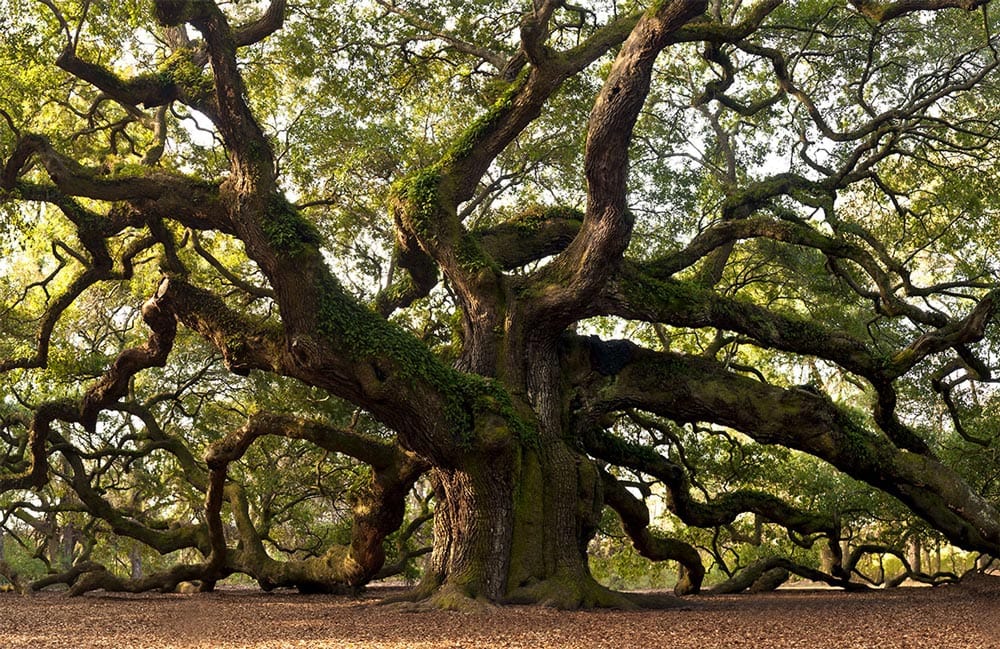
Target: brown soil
pixel 948 617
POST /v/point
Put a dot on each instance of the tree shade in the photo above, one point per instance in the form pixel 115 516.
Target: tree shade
pixel 285 282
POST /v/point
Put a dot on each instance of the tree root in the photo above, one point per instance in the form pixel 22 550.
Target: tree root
pixel 564 591
pixel 571 592
pixel 431 596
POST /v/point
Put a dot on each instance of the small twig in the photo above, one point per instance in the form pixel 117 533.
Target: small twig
pixel 70 42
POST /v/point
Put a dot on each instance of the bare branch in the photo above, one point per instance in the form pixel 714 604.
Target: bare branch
pixel 498 61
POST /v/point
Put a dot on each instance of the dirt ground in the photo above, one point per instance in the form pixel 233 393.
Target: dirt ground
pixel 966 616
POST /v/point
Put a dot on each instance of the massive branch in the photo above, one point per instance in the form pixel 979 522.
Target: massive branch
pixel 578 272
pixel 689 389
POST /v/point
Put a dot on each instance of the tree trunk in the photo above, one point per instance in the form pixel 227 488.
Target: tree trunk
pixel 473 529
pixel 514 525
pixel 515 529
pixel 559 504
pixel 915 551
pixel 831 562
pixel 68 539
pixel 135 562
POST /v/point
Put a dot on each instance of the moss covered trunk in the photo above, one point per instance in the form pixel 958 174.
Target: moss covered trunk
pixel 514 525
pixel 515 529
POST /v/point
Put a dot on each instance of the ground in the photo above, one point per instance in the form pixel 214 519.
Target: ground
pixel 964 616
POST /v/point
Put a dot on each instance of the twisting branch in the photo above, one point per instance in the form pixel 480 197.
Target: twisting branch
pixel 573 277
pixel 635 520
pixel 166 194
pixel 114 383
pixel 231 277
pixel 689 389
pixel 943 387
pixel 244 344
pixel 530 236
pixel 860 551
pixel 250 150
pixel 953 335
pixel 720 511
pixel 269 22
pixel 37 473
pixel 378 509
pixel 636 295
pixel 885 11
pixel 761 571
pixel 147 90
pixel 70 41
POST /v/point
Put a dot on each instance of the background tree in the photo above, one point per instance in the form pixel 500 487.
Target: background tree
pixel 556 257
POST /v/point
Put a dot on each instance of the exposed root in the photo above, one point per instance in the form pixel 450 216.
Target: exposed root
pixel 428 596
pixel 563 591
pixel 572 591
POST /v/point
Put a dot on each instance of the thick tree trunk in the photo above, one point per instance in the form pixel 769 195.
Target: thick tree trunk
pixel 558 509
pixel 473 530
pixel 515 529
pixel 514 525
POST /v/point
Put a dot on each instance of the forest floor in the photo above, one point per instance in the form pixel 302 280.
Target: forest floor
pixel 966 616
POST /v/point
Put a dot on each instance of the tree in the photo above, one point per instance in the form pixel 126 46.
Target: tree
pixel 779 216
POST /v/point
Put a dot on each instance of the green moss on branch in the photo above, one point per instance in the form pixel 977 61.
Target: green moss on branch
pixel 287 230
pixel 478 410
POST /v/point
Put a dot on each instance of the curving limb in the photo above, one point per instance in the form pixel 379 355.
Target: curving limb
pixel 377 510
pixel 886 11
pixel 530 237
pixel 635 520
pixel 580 271
pixel 704 390
pixel 767 574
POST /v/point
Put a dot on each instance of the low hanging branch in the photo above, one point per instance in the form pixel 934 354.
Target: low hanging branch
pixel 378 511
pixel 771 572
pixel 689 389
pixel 635 519
pixel 378 508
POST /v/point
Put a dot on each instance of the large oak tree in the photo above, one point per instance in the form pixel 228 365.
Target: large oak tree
pixel 549 249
